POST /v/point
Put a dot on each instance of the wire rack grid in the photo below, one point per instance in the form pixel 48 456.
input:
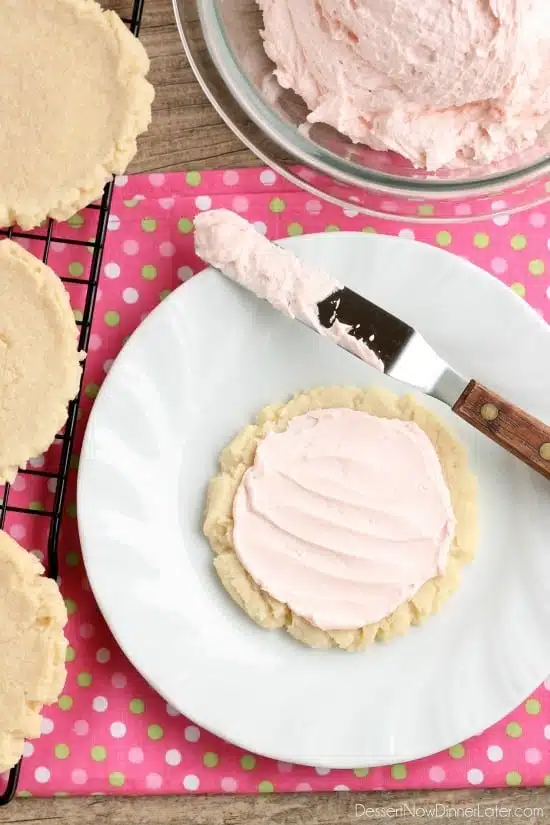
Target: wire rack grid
pixel 50 475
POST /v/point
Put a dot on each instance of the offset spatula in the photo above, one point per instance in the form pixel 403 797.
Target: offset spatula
pixel 407 357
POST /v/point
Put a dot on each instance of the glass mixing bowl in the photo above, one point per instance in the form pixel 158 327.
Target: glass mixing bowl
pixel 223 45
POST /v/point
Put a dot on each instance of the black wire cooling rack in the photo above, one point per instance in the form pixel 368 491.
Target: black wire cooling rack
pixel 44 237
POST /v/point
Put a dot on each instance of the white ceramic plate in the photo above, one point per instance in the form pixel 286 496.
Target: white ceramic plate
pixel 196 371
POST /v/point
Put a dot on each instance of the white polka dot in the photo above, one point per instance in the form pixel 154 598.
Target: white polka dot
pixel 230 177
pixel 314 207
pixel 203 202
pixel 100 704
pixel 184 272
pixel 501 220
pixel 191 782
pixel 303 786
pixel 322 771
pixel 28 749
pixel 52 485
pixel 119 680
pixel 95 342
pixel 171 711
pixel 475 776
pixel 341 788
pixel 463 209
pixel 130 247
pixel 547 686
pixel 260 227
pixel 111 270
pixel 103 655
pixel 537 220
pixel 81 727
pixel 499 266
pixel 285 767
pixel 118 730
pixel 79 777
pixel 130 295
pixel 42 775
pixel 350 213
pixel 107 365
pixel 86 630
pixel 139 197
pixel 436 773
pixel 167 249
pixel 136 756
pixel 58 246
pixel 547 732
pixel 533 756
pixel 121 180
pixel 19 484
pixel 408 234
pixel 228 784
pixel 241 204
pixel 37 462
pixel 268 177
pixel 46 726
pixel 166 203
pixel 192 733
pixel 113 223
pixel 173 757
pixel 494 753
pixel 389 206
pixel 498 206
pixel 17 531
pixel 157 179
pixel 153 781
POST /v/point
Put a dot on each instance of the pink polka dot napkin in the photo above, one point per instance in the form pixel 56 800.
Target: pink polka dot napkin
pixel 111 733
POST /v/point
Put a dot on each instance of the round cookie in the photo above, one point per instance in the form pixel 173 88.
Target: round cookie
pixel 39 360
pixel 32 647
pixel 74 98
pixel 239 455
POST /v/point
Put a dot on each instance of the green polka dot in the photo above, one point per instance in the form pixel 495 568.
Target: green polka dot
pixel 70 655
pixel 519 289
pixel 155 732
pixel 71 606
pixel 361 772
pixel 481 240
pixel 513 778
pixel 74 462
pixel 116 779
pixel 210 759
pixel 164 294
pixel 65 702
pixel 63 793
pixel 185 226
pixel 398 771
pixel 36 506
pixel 98 753
pixel 514 730
pixel 277 205
pixel 266 787
pixel 137 706
pixel 76 269
pixel 148 224
pixel 332 227
pixel 149 272
pixel 76 221
pixel 518 242
pixel 73 559
pixel 131 203
pixel 536 267
pixel 77 314
pixel 112 318
pixel 71 510
pixel 444 238
pixel 84 679
pixel 426 210
pixel 62 751
pixel 457 751
pixel 193 178
pixel 532 707
pixel 546 779
pixel 24 794
pixel 295 229
pixel 91 390
pixel 371 230
pixel 248 762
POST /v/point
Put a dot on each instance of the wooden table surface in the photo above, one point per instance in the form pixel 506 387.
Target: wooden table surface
pixel 186 132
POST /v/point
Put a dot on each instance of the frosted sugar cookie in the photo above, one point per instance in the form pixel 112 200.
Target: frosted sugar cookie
pixel 73 99
pixel 39 360
pixel 32 647
pixel 343 516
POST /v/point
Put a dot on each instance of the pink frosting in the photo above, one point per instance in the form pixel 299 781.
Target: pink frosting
pixel 231 244
pixel 343 516
pixel 442 82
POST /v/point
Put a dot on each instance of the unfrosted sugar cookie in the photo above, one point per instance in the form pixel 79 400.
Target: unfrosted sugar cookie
pixel 32 647
pixel 343 516
pixel 73 99
pixel 40 366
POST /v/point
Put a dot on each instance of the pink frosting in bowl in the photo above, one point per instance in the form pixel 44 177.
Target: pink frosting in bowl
pixel 344 516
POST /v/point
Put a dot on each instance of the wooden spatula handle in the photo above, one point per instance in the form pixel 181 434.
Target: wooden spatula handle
pixel 519 433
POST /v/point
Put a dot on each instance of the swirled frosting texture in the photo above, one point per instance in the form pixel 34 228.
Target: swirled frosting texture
pixel 343 516
pixel 442 82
